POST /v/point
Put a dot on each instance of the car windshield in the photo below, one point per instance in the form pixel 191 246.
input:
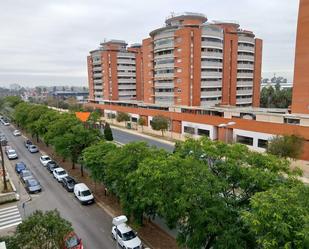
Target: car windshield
pixel 32 147
pixel 33 182
pixel 26 173
pixel 71 242
pixel 71 181
pixel 51 163
pixel 21 166
pixel 46 158
pixel 128 235
pixel 62 172
pixel 85 193
pixel 11 152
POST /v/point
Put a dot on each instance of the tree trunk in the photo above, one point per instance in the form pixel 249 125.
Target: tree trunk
pixel 82 170
pixel 37 138
pixel 210 241
pixel 162 133
pixel 73 164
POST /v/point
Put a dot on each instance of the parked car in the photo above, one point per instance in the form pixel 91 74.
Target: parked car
pixel 19 167
pixel 83 193
pixel 33 148
pixel 126 237
pixel 6 123
pixel 3 140
pixel 16 133
pixel 68 183
pixel 51 165
pixel 33 185
pixel 59 173
pixel 11 154
pixel 27 143
pixel 44 160
pixel 25 175
pixel 72 241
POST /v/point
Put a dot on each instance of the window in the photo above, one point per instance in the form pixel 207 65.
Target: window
pixel 244 140
pixel 291 121
pixel 189 130
pixel 134 119
pixel 203 132
pixel 262 143
pixel 179 70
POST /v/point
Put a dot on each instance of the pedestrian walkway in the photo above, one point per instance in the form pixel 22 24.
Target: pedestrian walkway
pixel 9 217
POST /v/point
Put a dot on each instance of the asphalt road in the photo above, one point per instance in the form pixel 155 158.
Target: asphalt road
pixel 125 137
pixel 91 223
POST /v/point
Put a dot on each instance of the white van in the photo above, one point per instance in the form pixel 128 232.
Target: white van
pixel 83 193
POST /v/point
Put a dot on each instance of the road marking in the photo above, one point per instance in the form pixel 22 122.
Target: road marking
pixel 9 217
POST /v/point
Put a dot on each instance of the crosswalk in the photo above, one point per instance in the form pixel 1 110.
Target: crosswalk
pixel 9 217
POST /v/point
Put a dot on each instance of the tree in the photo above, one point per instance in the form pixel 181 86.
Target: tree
pixel 286 146
pixel 159 123
pixel 275 97
pixel 216 193
pixel 41 231
pixel 74 141
pixel 94 118
pixel 123 117
pixel 279 217
pixel 142 122
pixel 108 134
pixel 94 159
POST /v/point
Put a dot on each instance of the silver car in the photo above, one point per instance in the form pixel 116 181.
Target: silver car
pixel 26 175
pixel 33 148
pixel 33 185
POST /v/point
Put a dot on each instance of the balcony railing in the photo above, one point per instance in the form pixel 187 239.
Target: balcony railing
pixel 211 74
pixel 96 75
pixel 245 66
pixel 212 44
pixel 246 39
pixel 164 85
pixel 211 84
pixel 245 83
pixel 245 48
pixel 211 94
pixel 164 56
pixel 167 65
pixel 212 55
pixel 244 92
pixel 246 57
pixel 244 75
pixel 164 75
pixel 164 94
pixel 211 33
pixel 211 64
pixel 97 81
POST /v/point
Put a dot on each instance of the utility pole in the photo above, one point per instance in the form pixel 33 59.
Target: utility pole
pixel 5 186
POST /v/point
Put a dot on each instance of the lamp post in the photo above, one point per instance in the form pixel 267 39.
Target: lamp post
pixel 225 126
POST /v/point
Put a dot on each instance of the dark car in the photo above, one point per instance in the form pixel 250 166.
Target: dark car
pixel 51 165
pixel 19 167
pixel 3 140
pixel 27 143
pixel 68 183
pixel 33 185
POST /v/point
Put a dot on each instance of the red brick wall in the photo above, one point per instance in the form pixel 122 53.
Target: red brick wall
pixel 300 101
pixel 257 73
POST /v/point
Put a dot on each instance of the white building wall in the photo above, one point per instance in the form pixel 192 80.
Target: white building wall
pixel 212 129
pixel 255 135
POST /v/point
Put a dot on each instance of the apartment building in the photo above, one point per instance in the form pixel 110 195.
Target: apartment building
pixel 193 62
pixel 114 72
pixel 188 62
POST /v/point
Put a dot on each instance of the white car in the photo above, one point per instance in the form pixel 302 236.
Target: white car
pixel 44 160
pixel 126 237
pixel 83 193
pixel 11 154
pixel 60 173
pixel 33 148
pixel 16 133
pixel 6 123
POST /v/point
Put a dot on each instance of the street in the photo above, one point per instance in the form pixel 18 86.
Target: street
pixel 125 137
pixel 91 223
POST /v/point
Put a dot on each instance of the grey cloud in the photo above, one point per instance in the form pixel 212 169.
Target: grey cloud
pixel 43 42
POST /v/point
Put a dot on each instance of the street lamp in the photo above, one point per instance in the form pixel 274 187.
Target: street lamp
pixel 225 126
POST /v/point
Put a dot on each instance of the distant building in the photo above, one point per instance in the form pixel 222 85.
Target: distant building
pixel 81 96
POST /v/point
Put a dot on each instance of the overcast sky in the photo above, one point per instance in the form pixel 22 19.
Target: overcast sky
pixel 45 42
